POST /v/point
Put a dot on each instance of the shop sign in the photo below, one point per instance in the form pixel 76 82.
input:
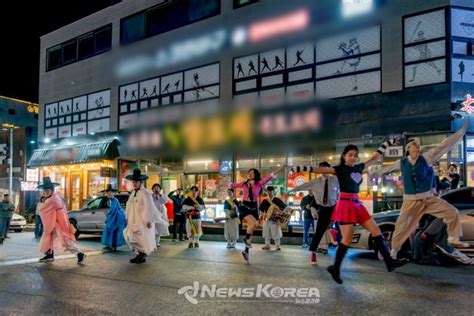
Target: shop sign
pixel 394 151
pixel 28 186
pixel 32 175
pixel 467 104
pixel 3 153
pixel 107 172
pixel 225 167
pixel 15 169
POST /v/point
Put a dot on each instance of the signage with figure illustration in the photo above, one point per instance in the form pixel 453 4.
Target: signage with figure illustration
pixel 80 115
pixel 424 48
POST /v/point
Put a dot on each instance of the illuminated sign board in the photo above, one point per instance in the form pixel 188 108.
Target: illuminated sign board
pixel 467 107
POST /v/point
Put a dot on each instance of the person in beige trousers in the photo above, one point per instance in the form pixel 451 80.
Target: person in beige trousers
pixel 418 197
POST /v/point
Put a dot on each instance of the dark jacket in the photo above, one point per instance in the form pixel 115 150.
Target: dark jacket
pixel 6 209
pixel 177 203
pixel 308 199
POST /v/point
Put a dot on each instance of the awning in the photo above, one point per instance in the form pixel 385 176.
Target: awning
pixel 75 154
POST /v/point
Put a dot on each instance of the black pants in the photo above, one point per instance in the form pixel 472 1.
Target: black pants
pixel 179 222
pixel 322 225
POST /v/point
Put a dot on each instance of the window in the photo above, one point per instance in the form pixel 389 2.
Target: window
pixel 132 29
pixel 11 111
pixel 86 46
pixel 103 40
pixel 242 3
pixel 166 17
pixel 201 9
pixel 69 52
pixel 54 57
pixel 94 204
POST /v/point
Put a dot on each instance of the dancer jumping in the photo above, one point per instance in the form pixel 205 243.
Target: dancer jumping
pixel 248 211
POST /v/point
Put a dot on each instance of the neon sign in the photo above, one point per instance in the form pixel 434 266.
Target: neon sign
pixel 278 26
pixel 467 107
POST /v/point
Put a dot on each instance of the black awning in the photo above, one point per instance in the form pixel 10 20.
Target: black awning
pixel 68 155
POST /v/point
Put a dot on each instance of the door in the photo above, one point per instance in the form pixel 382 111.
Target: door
pixel 76 191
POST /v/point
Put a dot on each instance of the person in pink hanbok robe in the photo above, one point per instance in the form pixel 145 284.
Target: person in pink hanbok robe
pixel 58 234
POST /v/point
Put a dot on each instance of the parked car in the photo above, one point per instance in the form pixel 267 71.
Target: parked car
pixel 91 217
pixel 17 223
pixel 462 199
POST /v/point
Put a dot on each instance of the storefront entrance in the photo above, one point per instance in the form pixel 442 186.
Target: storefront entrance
pixel 76 190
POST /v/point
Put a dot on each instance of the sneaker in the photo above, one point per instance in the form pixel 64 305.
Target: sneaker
pixel 266 247
pixel 174 240
pixel 191 245
pixel 278 248
pixel 305 246
pixel 335 274
pixel 456 243
pixel 245 254
pixel 324 251
pixel 140 258
pixel 313 259
pixel 229 246
pixel 48 258
pixel 105 249
pixel 181 239
pixel 395 263
pixel 158 245
pixel 247 243
pixel 196 245
pixel 80 257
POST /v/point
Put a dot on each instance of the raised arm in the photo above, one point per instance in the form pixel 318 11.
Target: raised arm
pixel 373 160
pixel 385 170
pixel 436 153
pixel 318 170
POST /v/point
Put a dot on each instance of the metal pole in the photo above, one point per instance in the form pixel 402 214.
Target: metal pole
pixel 11 161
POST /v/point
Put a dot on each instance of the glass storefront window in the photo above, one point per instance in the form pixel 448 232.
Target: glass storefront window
pixel 246 164
pixel 96 183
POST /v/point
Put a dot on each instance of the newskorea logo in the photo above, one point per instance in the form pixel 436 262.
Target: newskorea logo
pixel 265 291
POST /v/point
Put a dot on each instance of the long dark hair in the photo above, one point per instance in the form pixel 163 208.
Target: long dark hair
pixel 347 149
pixel 257 176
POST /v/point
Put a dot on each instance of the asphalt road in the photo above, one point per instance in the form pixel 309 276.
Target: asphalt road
pixel 109 285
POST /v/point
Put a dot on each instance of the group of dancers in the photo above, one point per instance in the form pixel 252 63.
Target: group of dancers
pixel 145 220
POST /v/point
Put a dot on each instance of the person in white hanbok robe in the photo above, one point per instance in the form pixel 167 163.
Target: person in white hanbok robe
pixel 161 219
pixel 141 214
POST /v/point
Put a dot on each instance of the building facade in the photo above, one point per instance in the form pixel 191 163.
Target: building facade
pixel 18 140
pixel 198 92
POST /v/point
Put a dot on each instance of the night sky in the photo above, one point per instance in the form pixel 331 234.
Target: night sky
pixel 21 25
